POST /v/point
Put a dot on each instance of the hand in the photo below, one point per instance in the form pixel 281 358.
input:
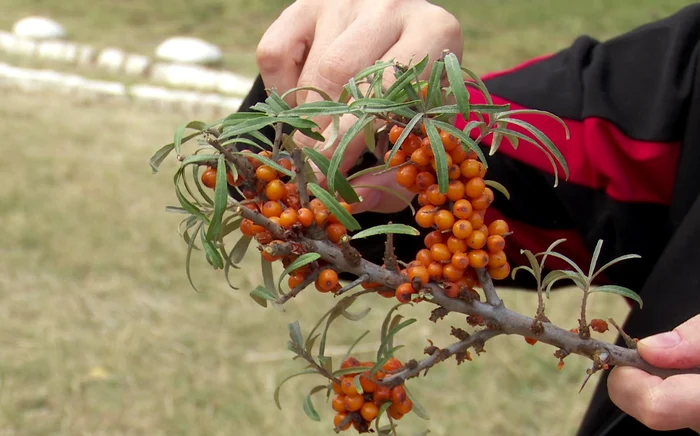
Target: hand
pixel 670 404
pixel 324 43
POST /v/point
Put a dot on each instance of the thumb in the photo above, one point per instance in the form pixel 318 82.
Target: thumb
pixel 679 348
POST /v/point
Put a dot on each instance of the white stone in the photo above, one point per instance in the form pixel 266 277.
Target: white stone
pixel 23 47
pixel 38 28
pixel 111 59
pixel 231 83
pixel 7 40
pixel 188 50
pixel 177 74
pixel 58 50
pixel 136 65
pixel 86 55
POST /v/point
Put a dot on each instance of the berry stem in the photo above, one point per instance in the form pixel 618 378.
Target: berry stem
pixel 489 289
pixel 277 142
pixel 244 167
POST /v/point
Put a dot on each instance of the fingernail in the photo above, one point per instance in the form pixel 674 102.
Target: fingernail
pixel 662 341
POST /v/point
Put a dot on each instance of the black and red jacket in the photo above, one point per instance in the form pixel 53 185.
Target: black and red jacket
pixel 632 105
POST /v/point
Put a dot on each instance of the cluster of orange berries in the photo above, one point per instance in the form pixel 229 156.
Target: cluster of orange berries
pixel 363 408
pixel 460 241
pixel 276 198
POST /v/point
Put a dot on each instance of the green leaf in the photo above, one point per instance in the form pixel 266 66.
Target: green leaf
pixel 613 262
pixel 212 255
pixel 180 132
pixel 334 207
pixel 339 152
pixel 379 105
pixel 378 67
pixel 318 108
pixel 300 261
pixel 188 257
pixel 459 89
pixel 159 156
pixel 320 92
pixel 479 84
pixel 594 259
pixel 524 268
pixel 277 390
pixel 546 142
pixel 385 358
pixel 267 161
pixel 184 202
pixel 220 201
pixel 467 142
pixel 370 140
pixel 262 293
pixel 382 410
pixel 357 384
pixel 536 269
pixel 295 334
pixel 400 229
pixel 498 187
pixel 394 330
pixel 309 409
pixel 175 209
pixel 355 316
pixel 439 153
pixel 405 78
pixel 239 250
pixel 200 188
pixel 276 102
pixel 258 123
pixel 433 99
pixel 354 344
pixel 418 409
pixel 385 326
pixel 565 259
pixel 453 109
pixel 268 277
pixel 556 275
pixel 345 190
pixel 402 137
pixel 352 370
pixel 619 290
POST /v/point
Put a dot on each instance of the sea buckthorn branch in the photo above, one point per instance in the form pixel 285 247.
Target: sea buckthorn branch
pixel 242 165
pixel 497 316
pixel 489 289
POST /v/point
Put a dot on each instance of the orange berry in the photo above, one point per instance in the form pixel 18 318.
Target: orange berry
pixel 353 403
pixel 335 232
pixel 423 199
pixel 381 395
pixel 444 219
pixel 264 237
pixel 339 418
pixel 423 256
pixel 424 179
pixel 425 216
pixel 249 228
pixel 336 388
pixel 368 386
pixel 435 271
pixel 327 280
pixel 295 280
pixel 421 157
pixel 483 201
pixel 321 217
pixel 288 218
pixel 411 144
pixel 453 172
pixel 435 197
pixel 531 341
pixel 470 168
pixel 477 219
pixel 498 227
pixel 420 272
pixel 456 244
pixel 268 257
pixel 265 173
pixel 369 411
pixel 462 209
pixel 404 292
pixel 229 179
pixel 316 204
pixel 460 260
pixel 478 258
pixel 338 403
pixel 440 253
pixel 455 190
pixel 406 176
pixel 501 272
pixel 497 259
pixel 495 242
pixel 397 159
pixel 209 178
pixel 284 163
pixel 394 133
pixel 275 190
pixel 448 141
pixel 485 230
pixel 432 238
pixel 347 385
pixel 350 362
pixel 462 229
pixel 394 412
pixel 398 394
pixel 458 156
pixel 452 290
pixel 474 187
pixel 405 407
pixel 305 216
pixel 392 364
pixel 476 240
pixel 433 163
pixel 452 273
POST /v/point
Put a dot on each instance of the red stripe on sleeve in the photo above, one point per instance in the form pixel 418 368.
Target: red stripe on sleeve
pixel 598 155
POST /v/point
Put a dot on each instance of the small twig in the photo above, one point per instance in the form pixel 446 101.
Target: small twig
pixel 390 259
pixel 629 340
pixel 303 285
pixel 489 289
pixel 298 160
pixel 357 282
pixel 278 141
pixel 306 356
pixel 583 327
pixel 475 340
pixel 244 167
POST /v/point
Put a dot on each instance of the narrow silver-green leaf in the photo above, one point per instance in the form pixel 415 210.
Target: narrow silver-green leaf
pixel 239 250
pixel 456 79
pixel 339 152
pixel 334 207
pixel 405 78
pixel 355 316
pixel 401 229
pixel 402 137
pixel 159 156
pixel 180 133
pixel 619 290
pixel 268 277
pixel 614 261
pixel 277 390
pixel 212 255
pixel 594 259
pixel 370 140
pixel 300 261
pixel 565 259
pixel 433 99
pixel 396 329
pixel 354 344
pixel 439 153
pixel 295 334
pixel 546 142
pixel 262 294
pixel 269 162
pixel 188 257
pixel 418 409
pixel 479 84
pixel 524 268
pixel 357 384
pixel 468 144
pixel 498 187
pixel 317 108
pixel 320 92
pixel 220 201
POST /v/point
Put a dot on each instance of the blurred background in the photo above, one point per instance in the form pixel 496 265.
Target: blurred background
pixel 100 331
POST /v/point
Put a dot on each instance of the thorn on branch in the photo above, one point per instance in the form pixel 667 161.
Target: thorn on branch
pixel 303 285
pixel 629 340
pixel 351 255
pixel 357 282
pixel 489 289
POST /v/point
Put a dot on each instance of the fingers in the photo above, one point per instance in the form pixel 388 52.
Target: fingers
pixel 376 200
pixel 659 404
pixel 679 348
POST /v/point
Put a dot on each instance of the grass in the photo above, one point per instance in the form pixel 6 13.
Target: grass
pixel 102 333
